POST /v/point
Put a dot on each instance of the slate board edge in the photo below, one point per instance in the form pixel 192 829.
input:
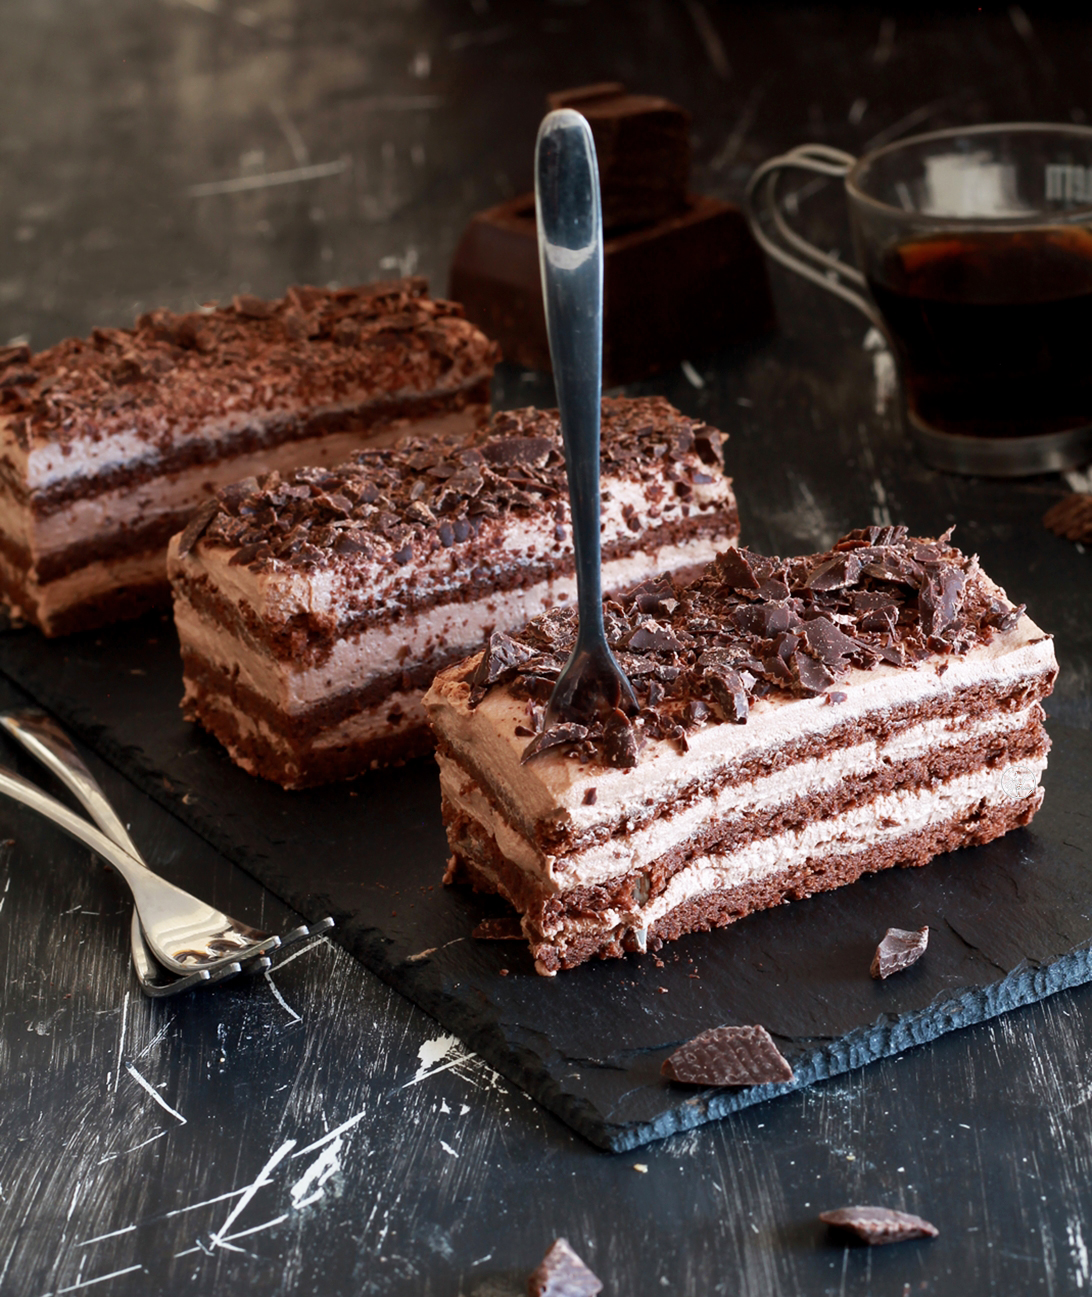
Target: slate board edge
pixel 855 1049
pixel 1022 986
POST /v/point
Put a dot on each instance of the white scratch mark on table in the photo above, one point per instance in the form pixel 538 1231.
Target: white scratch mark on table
pixel 147 1085
pixel 331 1135
pixel 309 1187
pixel 121 1041
pixel 262 1179
pixel 295 1017
pixel 156 1038
pixel 270 179
pixel 90 1283
pixel 150 1140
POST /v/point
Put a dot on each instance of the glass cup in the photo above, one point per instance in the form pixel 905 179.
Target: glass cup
pixel 975 255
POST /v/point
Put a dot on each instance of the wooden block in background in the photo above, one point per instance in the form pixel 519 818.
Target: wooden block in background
pixel 679 289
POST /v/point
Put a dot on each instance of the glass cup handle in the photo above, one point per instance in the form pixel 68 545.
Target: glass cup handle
pixel 761 197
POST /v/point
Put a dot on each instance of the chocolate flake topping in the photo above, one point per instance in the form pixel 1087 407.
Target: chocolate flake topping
pixel 898 950
pixel 408 503
pixel 561 1273
pixel 754 626
pixel 313 347
pixel 879 1224
pixel 728 1056
pixel 197 526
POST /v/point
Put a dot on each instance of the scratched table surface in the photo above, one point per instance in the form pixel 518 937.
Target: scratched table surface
pixel 312 1132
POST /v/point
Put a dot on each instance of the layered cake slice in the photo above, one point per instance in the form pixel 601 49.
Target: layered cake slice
pixel 314 607
pixel 803 722
pixel 108 444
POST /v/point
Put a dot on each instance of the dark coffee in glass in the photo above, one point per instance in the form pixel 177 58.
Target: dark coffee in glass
pixel 993 330
pixel 975 248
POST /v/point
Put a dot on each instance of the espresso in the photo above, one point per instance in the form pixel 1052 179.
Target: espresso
pixel 993 329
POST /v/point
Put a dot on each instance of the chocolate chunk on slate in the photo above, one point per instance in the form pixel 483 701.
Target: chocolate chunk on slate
pixel 1071 517
pixel 505 927
pixel 728 1056
pixel 879 1224
pixel 898 950
pixel 562 1274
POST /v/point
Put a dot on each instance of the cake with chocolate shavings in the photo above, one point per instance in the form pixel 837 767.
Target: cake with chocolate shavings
pixel 801 722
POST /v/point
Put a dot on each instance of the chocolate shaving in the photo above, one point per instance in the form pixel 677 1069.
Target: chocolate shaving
pixel 728 1056
pixel 561 1273
pixel 505 927
pixel 898 950
pixel 828 643
pixel 502 656
pixel 875 1225
pixel 197 526
pixel 554 737
pixel 735 570
pixel 619 741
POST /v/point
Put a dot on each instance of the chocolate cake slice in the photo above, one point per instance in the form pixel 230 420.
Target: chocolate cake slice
pixel 803 722
pixel 315 607
pixel 109 444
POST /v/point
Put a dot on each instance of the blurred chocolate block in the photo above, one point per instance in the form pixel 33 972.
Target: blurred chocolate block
pixel 675 290
pixel 643 146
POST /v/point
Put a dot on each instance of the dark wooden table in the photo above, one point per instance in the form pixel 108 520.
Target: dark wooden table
pixel 313 1132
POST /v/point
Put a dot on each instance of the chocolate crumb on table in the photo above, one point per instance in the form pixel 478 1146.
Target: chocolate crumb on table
pixel 561 1273
pixel 898 950
pixel 875 1225
pixel 728 1056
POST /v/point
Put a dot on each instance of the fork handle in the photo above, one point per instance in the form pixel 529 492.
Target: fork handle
pixel 164 908
pixel 43 738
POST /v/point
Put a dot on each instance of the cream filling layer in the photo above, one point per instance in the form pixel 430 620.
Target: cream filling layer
pixel 83 586
pixel 621 855
pixel 883 820
pixel 551 787
pixel 399 713
pixel 455 628
pixel 176 493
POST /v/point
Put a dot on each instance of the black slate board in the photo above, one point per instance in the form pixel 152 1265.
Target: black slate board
pixel 1010 922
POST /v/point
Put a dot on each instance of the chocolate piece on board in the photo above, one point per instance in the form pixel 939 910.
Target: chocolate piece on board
pixel 684 287
pixel 561 1273
pixel 878 1224
pixel 728 1056
pixel 898 950
pixel 642 144
pixel 1071 517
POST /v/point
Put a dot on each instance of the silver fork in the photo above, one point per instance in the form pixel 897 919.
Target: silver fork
pixel 181 932
pixel 44 739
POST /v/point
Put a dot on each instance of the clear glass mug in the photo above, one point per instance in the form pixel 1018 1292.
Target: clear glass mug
pixel 975 255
